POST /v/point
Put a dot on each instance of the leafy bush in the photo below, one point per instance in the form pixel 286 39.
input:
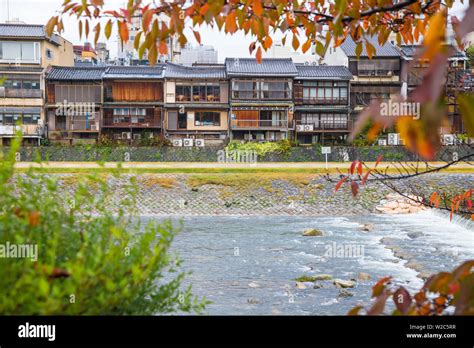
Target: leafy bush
pixel 90 260
pixel 282 147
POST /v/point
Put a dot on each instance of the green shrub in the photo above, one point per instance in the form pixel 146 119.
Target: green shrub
pixel 281 147
pixel 90 260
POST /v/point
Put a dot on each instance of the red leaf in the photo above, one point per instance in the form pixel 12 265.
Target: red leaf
pixel 339 184
pixel 402 299
pixel 353 165
pixel 354 188
pixel 379 158
pixel 359 168
pixel 366 176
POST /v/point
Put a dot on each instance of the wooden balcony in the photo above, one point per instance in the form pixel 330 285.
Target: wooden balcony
pixel 21 93
pixel 28 130
pixel 324 126
pixel 132 121
pixel 321 101
pixel 260 124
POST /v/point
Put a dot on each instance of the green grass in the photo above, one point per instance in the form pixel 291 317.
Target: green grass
pixel 214 170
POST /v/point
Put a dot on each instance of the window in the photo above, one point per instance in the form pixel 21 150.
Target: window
pixel 183 93
pixel 49 54
pixel 207 118
pixel 275 90
pixel 245 89
pixel 322 91
pixel 19 51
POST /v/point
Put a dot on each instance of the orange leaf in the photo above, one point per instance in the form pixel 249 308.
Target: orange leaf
pixel 257 7
pixel 267 43
pixel 230 23
pixel 33 218
pixel 295 43
pixel 147 17
pixel 204 9
pixel 258 56
pixel 123 31
pixel 306 46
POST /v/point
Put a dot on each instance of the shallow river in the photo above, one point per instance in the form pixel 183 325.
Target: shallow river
pixel 247 265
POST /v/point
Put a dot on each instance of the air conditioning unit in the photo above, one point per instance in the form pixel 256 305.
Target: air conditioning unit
pixel 177 142
pixel 94 127
pixel 260 136
pixel 300 128
pixel 126 135
pixel 248 136
pixel 188 142
pixel 199 142
pixel 280 136
pixel 393 139
pixel 447 139
pixel 270 135
pixel 308 127
pixel 137 136
pixel 117 136
pixel 382 142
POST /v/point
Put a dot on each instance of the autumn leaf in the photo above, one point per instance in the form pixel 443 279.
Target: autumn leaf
pixel 267 43
pixel 33 218
pixel 230 24
pixel 258 55
pixel 123 31
pixel 339 184
pixel 354 188
pixel 257 7
pixel 53 21
pixel 197 36
pixel 402 299
pixel 466 106
pixel 108 29
pixel 306 46
pixel 295 43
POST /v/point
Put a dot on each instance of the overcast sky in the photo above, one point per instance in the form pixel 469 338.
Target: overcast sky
pixel 39 11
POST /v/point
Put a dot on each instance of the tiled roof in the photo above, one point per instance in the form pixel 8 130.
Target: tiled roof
pixel 33 31
pixel 75 74
pixel 321 72
pixel 387 50
pixel 134 72
pixel 409 51
pixel 268 67
pixel 192 72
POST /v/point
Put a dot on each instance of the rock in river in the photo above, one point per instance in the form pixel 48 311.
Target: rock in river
pixel 344 283
pixel 312 232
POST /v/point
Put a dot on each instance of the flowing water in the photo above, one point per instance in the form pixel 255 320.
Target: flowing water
pixel 247 265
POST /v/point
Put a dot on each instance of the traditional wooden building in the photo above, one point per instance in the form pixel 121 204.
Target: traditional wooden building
pixel 261 98
pixel 133 102
pixel 197 105
pixel 459 80
pixel 25 51
pixel 322 104
pixel 73 104
pixel 377 78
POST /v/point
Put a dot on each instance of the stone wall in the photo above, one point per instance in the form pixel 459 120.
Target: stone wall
pixel 92 153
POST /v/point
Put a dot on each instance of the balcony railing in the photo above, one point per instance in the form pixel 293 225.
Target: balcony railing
pixel 27 130
pixel 132 121
pixel 324 126
pixel 84 126
pixel 21 93
pixel 322 101
pixel 198 98
pixel 239 123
